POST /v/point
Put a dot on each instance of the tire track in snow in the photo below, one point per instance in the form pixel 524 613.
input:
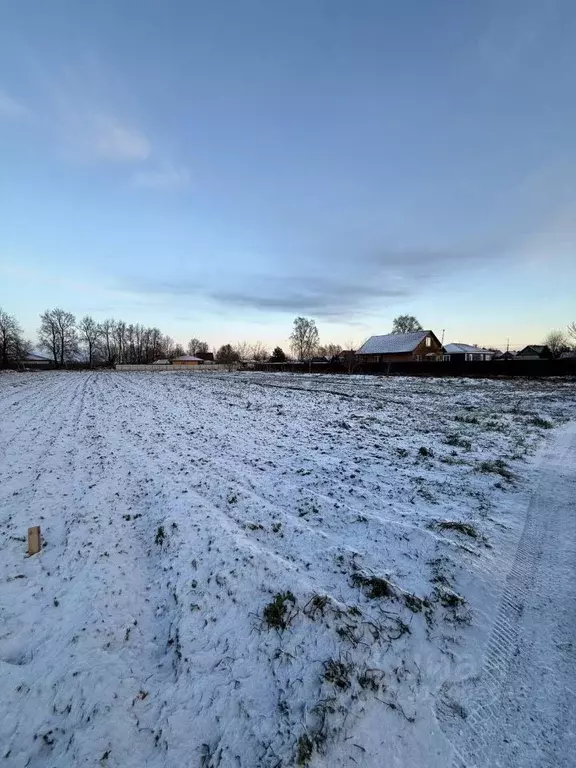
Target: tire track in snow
pixel 492 702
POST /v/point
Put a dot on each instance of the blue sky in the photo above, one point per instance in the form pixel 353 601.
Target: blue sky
pixel 216 169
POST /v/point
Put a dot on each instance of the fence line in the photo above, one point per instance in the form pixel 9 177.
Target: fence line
pixel 173 368
pixel 474 368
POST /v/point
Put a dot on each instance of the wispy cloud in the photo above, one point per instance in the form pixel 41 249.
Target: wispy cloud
pixel 513 35
pixel 345 287
pixel 113 140
pixel 90 116
pixel 91 132
pixel 85 111
pixel 166 177
pixel 349 286
pixel 10 108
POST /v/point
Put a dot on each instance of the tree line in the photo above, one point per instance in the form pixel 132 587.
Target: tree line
pixel 67 340
pixel 108 342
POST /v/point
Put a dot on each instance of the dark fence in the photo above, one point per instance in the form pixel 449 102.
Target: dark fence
pixel 69 366
pixel 473 369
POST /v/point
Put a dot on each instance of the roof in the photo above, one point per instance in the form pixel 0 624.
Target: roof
pixel 392 343
pixel 469 349
pixel 188 359
pixel 538 350
pixel 161 362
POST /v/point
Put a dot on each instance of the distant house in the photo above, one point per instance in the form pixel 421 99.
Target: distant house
pixel 161 362
pixel 466 353
pixel 208 357
pixel 345 355
pixel 35 362
pixel 186 361
pixel 506 355
pixel 400 347
pixel 534 352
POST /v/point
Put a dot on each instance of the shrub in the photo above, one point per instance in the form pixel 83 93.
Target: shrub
pixel 337 673
pixel 305 750
pixel 278 613
pixel 467 419
pixel 497 467
pixel 537 421
pixel 454 525
pixel 376 587
pixel 459 442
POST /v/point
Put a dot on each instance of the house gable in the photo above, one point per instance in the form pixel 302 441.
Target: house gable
pixel 401 347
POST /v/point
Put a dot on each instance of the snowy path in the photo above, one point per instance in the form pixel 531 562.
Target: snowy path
pixel 521 713
pixel 175 508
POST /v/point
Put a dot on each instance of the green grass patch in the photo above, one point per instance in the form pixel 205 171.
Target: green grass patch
pixel 455 525
pixel 375 587
pixel 537 421
pixel 497 467
pixel 279 613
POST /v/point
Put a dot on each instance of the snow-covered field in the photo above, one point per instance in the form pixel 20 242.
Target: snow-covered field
pixel 254 569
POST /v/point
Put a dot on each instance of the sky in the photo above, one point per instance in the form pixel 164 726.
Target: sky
pixel 216 169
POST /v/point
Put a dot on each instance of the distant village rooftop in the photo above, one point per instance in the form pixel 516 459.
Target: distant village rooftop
pixel 392 343
pixel 458 349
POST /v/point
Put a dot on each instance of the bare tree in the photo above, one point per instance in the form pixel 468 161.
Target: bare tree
pixel 242 350
pixel 193 345
pixel 137 342
pixel 405 324
pixel 155 344
pixel 258 352
pixel 330 350
pixel 557 342
pixel 167 347
pixel 48 335
pixel 129 344
pixel 178 350
pixel 90 334
pixel 120 340
pixel 21 348
pixel 11 339
pixel 304 338
pixel 107 330
pixel 572 331
pixel 57 333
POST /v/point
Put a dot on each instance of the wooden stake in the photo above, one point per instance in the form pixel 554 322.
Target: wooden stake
pixel 34 540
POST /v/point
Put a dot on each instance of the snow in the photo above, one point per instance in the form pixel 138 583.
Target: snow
pixel 392 343
pixel 175 508
pixel 457 348
pixel 521 710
